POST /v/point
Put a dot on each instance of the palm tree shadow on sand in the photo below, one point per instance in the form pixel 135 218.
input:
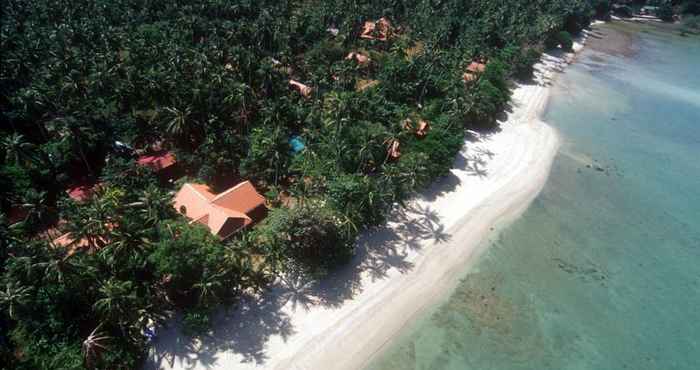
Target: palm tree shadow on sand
pixel 245 329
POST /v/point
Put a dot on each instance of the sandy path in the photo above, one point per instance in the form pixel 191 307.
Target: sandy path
pixel 399 270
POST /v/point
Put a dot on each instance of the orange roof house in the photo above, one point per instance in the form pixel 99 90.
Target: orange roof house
pixel 379 30
pixel 157 161
pixel 304 90
pixel 420 131
pixel 358 57
pixel 423 128
pixel 394 151
pixel 473 70
pixel 162 162
pixel 82 190
pixel 224 213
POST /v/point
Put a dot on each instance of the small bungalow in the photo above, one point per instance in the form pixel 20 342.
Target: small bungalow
pixel 16 214
pixel 421 130
pixel 394 149
pixel 225 213
pixel 163 163
pixel 358 57
pixel 379 30
pixel 304 90
pixel 473 71
pixel 82 190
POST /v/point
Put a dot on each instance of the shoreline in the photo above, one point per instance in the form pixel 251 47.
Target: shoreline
pixel 402 268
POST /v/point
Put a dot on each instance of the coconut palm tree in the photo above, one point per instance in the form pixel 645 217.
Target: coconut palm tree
pixel 154 204
pixel 117 302
pixel 14 296
pixel 18 150
pixel 93 345
pixel 180 124
pixel 35 204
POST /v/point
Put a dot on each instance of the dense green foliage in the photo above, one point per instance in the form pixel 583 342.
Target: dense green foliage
pixel 209 81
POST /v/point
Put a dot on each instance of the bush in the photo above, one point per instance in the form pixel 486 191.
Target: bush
pixel 602 8
pixel 308 234
pixel 196 321
pixel 188 257
pixel 565 41
pixel 623 11
pixel 487 102
pixel 665 12
pixel 691 7
pixel 691 24
pixel 561 39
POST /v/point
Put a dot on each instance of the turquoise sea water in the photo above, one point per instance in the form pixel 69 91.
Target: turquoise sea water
pixel 603 270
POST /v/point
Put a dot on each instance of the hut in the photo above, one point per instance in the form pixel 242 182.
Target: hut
pixel 423 128
pixel 304 90
pixel 420 130
pixel 163 163
pixel 473 71
pixel 380 30
pixel 394 149
pixel 360 58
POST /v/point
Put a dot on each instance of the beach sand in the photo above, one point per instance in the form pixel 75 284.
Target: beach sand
pixel 400 269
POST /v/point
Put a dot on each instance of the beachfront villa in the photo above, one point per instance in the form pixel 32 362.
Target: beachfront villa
pixel 225 213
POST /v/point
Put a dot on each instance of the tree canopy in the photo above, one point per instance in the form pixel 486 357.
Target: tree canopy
pixel 86 86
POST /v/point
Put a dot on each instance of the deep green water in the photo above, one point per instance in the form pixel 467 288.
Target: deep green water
pixel 603 270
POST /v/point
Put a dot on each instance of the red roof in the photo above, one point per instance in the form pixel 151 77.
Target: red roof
pixel 157 161
pixel 16 214
pixel 224 213
pixel 476 67
pixel 81 192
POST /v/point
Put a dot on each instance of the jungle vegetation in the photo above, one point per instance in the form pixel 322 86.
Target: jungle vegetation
pixel 209 81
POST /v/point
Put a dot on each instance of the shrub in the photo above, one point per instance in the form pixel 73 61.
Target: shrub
pixel 523 65
pixel 196 321
pixel 691 24
pixel 623 11
pixel 665 12
pixel 565 40
pixel 309 234
pixel 691 7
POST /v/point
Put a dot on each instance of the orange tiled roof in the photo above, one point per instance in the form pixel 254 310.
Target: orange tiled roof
pixel 379 30
pixel 360 58
pixel 476 67
pixel 157 161
pixel 423 128
pixel 304 90
pixel 223 213
pixel 394 150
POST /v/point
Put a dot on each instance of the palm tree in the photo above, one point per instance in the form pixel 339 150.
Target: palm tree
pixel 55 269
pixel 34 203
pixel 208 286
pixel 93 345
pixel 154 204
pixel 117 302
pixel 14 296
pixel 180 125
pixel 18 150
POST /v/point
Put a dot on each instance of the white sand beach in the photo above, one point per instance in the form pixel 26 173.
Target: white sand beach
pixel 399 270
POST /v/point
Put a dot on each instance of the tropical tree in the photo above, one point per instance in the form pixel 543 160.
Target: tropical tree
pixel 18 150
pixel 13 297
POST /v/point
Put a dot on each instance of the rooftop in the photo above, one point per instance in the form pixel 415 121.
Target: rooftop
pixel 224 213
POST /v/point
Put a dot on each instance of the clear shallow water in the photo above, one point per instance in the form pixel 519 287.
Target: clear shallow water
pixel 603 271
